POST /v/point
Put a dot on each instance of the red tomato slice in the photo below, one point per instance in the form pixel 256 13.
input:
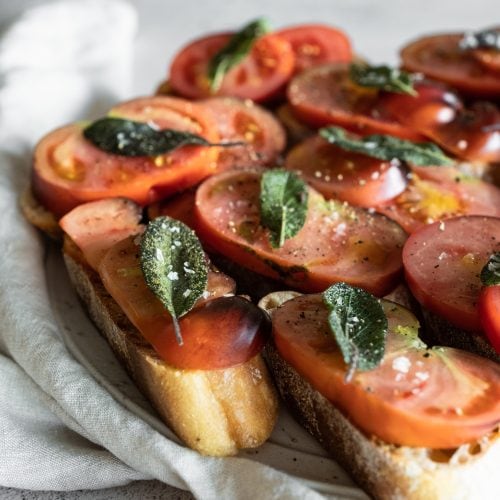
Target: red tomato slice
pixel 358 179
pixel 315 44
pixel 438 193
pixel 258 76
pixel 325 95
pixel 245 121
pixel 489 58
pixel 337 242
pixel 98 225
pixel 440 57
pixel 438 398
pixel 240 324
pixel 434 105
pixel 489 314
pixel 474 134
pixel 442 263
pixel 69 170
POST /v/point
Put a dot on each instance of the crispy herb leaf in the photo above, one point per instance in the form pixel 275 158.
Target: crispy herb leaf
pixel 237 48
pixel 130 138
pixel 490 274
pixel 359 324
pixel 485 39
pixel 386 147
pixel 174 266
pixel 383 77
pixel 283 204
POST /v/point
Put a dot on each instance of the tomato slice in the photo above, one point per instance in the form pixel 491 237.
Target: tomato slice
pixel 434 398
pixel 474 133
pixel 315 44
pixel 325 95
pixel 489 314
pixel 337 242
pixel 245 121
pixel 442 263
pixel 438 193
pixel 352 177
pixel 69 170
pixel 440 57
pixel 240 325
pixel 98 225
pixel 434 105
pixel 258 76
pixel 178 207
pixel 489 58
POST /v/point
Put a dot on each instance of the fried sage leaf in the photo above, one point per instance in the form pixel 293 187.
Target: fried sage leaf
pixel 383 78
pixel 490 274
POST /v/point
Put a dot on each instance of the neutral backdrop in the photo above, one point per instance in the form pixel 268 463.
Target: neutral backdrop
pixel 377 29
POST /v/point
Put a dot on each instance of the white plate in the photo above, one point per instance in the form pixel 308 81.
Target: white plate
pixel 290 448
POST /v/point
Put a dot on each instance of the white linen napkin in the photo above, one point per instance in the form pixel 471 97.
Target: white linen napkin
pixel 59 428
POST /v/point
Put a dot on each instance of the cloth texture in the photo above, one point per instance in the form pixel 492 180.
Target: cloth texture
pixel 59 428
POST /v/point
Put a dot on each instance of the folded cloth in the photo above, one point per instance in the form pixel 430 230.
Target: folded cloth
pixel 59 428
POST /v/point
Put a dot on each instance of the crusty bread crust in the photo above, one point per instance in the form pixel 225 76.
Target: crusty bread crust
pixel 215 412
pixel 39 216
pixel 388 471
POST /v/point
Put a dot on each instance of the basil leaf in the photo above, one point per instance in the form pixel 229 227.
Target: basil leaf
pixel 386 147
pixel 490 274
pixel 383 77
pixel 174 266
pixel 359 324
pixel 130 138
pixel 236 49
pixel 283 204
pixel 485 39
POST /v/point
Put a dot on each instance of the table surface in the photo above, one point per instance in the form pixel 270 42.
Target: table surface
pixel 377 28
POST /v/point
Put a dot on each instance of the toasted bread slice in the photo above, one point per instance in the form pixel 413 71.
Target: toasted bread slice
pixel 216 412
pixel 39 216
pixel 387 471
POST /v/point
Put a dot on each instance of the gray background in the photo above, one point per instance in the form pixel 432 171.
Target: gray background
pixel 377 29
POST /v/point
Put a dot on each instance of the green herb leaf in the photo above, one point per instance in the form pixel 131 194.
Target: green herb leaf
pixel 383 77
pixel 388 148
pixel 130 138
pixel 485 39
pixel 490 274
pixel 283 204
pixel 174 266
pixel 359 324
pixel 236 49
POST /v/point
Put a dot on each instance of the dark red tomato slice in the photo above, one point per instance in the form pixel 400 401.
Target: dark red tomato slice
pixel 325 95
pixel 358 179
pixel 245 121
pixel 178 207
pixel 240 325
pixel 258 76
pixel 439 57
pixel 337 242
pixel 489 314
pixel 98 225
pixel 431 398
pixel 315 44
pixel 434 105
pixel 69 170
pixel 474 133
pixel 442 263
pixel 489 58
pixel 438 193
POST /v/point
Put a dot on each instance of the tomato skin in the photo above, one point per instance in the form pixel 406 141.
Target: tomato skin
pixel 438 193
pixel 68 170
pixel 259 76
pixel 442 263
pixel 352 246
pixel 325 95
pixel 439 57
pixel 315 44
pixel 489 314
pixel 417 406
pixel 358 179
pixel 245 121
